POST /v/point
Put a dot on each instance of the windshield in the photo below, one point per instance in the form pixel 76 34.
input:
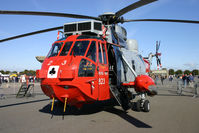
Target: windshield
pixel 66 48
pixel 79 48
pixel 55 49
pixel 92 51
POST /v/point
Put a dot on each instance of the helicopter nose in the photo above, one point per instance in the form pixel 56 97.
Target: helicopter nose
pixel 152 90
pixel 66 74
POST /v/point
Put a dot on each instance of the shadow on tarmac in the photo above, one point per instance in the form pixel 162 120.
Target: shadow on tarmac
pixel 130 119
pixel 15 104
pixel 92 109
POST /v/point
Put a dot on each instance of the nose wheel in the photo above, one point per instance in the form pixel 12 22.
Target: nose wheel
pixel 142 104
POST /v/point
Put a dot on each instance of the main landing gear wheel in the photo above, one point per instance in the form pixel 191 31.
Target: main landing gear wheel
pixel 146 106
pixel 138 105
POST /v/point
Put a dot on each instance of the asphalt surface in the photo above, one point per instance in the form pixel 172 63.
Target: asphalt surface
pixel 169 113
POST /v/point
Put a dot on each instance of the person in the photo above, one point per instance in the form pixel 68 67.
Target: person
pixel 2 96
pixel 0 80
pixel 162 79
pixel 179 86
pixel 23 79
pixel 191 80
pixel 156 79
pixel 17 79
pixel 170 78
pixel 184 78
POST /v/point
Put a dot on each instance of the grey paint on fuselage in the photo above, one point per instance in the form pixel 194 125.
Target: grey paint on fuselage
pixel 136 62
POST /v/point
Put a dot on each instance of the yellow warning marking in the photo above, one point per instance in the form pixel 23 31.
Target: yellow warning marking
pixel 52 104
pixel 65 104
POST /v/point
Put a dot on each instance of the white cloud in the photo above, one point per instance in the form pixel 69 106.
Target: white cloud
pixel 191 65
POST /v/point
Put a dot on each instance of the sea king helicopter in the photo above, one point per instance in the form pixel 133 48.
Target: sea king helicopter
pixel 94 60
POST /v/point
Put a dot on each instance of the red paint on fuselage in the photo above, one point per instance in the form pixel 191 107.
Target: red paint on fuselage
pixel 142 83
pixel 60 80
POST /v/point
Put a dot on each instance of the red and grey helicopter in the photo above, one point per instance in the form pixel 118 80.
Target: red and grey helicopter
pixel 94 60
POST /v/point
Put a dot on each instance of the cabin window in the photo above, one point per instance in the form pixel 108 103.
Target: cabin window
pixel 66 48
pixel 86 69
pixel 100 53
pixel 104 54
pixel 92 51
pixel 55 49
pixel 79 48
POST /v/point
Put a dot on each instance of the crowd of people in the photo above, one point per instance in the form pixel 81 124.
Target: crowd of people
pixel 157 77
pixel 183 81
pixel 18 79
pixel 187 80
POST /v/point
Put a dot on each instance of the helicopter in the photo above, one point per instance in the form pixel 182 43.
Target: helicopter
pixel 94 60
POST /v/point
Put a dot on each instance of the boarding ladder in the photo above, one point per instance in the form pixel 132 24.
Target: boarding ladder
pixel 113 88
pixel 25 90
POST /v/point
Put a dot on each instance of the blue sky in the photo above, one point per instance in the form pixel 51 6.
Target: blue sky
pixel 179 42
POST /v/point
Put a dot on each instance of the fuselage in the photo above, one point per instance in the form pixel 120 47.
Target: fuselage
pixel 76 68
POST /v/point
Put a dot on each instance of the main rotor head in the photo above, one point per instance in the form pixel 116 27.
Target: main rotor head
pixel 110 18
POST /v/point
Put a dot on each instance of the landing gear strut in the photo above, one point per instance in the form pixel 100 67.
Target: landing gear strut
pixel 125 97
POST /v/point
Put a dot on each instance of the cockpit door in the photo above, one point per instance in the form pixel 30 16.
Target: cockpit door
pixel 103 79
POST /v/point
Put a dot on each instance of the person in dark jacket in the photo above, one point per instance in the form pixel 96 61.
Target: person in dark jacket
pixel 162 79
pixel 184 79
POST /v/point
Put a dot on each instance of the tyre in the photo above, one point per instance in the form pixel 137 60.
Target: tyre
pixel 138 106
pixel 146 106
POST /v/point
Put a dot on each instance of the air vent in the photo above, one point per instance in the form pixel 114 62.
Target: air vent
pixel 91 26
pixel 97 26
pixel 70 27
pixel 84 26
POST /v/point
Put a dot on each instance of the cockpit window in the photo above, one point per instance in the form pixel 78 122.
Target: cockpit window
pixel 55 49
pixel 66 48
pixel 89 37
pixel 92 51
pixel 104 53
pixel 79 48
pixel 100 53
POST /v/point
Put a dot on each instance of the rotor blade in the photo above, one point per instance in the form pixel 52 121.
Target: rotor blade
pixel 163 20
pixel 31 33
pixel 157 47
pixel 47 14
pixel 133 6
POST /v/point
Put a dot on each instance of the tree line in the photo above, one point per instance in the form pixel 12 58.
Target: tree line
pixel 171 72
pixel 27 72
pixel 180 72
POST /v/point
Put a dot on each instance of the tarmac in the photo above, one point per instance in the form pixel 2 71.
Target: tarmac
pixel 170 113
